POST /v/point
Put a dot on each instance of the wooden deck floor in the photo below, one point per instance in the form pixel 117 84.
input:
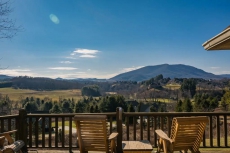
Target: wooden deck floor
pixel 209 150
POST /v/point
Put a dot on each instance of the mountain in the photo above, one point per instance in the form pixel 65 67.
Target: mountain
pixel 172 71
pixel 5 77
pixel 225 75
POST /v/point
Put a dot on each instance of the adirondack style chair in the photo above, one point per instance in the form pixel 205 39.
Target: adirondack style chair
pixel 186 134
pixel 93 134
pixel 13 146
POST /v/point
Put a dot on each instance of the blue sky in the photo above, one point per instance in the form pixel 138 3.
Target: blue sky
pixel 103 38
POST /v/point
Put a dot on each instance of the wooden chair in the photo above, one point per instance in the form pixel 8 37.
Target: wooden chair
pixel 13 146
pixel 186 134
pixel 93 134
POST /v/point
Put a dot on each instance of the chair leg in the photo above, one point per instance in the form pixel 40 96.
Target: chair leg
pixel 113 146
pixel 159 145
pixel 165 146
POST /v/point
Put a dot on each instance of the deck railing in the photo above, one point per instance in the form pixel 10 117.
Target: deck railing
pixel 59 130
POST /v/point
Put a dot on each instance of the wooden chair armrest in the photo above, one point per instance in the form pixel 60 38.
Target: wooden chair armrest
pixel 163 135
pixel 8 150
pixel 7 136
pixel 113 135
pixel 8 132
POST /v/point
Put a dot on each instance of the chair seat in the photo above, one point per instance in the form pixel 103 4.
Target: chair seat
pixel 93 134
pixel 186 134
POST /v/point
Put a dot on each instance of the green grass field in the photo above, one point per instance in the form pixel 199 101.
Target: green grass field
pixel 173 86
pixel 166 100
pixel 15 94
pixel 215 141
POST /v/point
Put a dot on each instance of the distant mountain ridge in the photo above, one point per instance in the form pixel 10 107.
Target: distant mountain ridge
pixel 5 77
pixel 171 71
pixel 147 72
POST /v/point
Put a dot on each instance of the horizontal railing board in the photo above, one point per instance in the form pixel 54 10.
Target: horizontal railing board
pixel 215 137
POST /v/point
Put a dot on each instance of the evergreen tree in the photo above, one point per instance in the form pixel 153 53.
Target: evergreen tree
pixel 79 107
pixel 47 106
pixel 96 110
pixel 187 105
pixel 179 106
pixel 130 109
pixel 139 107
pixel 91 109
pixel 66 107
pixel 31 106
pixel 55 109
pixel 110 103
pixel 153 109
pixel 189 85
pixel 225 100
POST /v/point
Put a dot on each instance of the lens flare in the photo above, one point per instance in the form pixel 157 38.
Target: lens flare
pixel 54 19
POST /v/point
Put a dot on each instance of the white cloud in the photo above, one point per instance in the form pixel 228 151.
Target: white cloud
pixel 214 67
pixel 17 72
pixel 62 68
pixel 85 53
pixel 87 56
pixel 66 62
pixel 84 75
pixel 131 69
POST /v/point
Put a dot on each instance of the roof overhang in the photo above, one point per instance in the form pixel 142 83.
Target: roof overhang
pixel 219 42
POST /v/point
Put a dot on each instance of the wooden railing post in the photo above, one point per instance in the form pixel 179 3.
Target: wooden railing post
pixel 119 129
pixel 22 129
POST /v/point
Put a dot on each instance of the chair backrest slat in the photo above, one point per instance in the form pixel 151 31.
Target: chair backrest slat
pixel 92 132
pixel 187 132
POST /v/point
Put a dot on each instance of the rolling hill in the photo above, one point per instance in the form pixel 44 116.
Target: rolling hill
pixel 172 71
pixel 5 77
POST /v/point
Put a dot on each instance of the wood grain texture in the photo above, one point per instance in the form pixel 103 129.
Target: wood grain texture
pixel 143 146
pixel 93 134
pixel 186 134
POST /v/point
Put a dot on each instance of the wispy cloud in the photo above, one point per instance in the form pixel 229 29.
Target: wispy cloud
pixel 225 72
pixel 62 68
pixel 71 57
pixel 87 56
pixel 66 62
pixel 85 53
pixel 17 72
pixel 131 69
pixel 84 75
pixel 214 67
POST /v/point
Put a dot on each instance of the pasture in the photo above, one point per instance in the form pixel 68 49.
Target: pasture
pixel 172 86
pixel 16 94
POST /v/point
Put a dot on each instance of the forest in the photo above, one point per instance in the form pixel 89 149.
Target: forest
pixel 156 94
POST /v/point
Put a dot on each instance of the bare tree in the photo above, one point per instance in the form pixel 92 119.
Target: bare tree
pixel 8 28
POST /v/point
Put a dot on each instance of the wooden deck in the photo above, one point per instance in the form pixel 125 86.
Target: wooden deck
pixel 209 150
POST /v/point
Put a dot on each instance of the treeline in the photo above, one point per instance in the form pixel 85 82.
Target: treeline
pixel 5 84
pixel 5 104
pixel 156 81
pixel 204 102
pixel 85 105
pixel 91 90
pixel 43 83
